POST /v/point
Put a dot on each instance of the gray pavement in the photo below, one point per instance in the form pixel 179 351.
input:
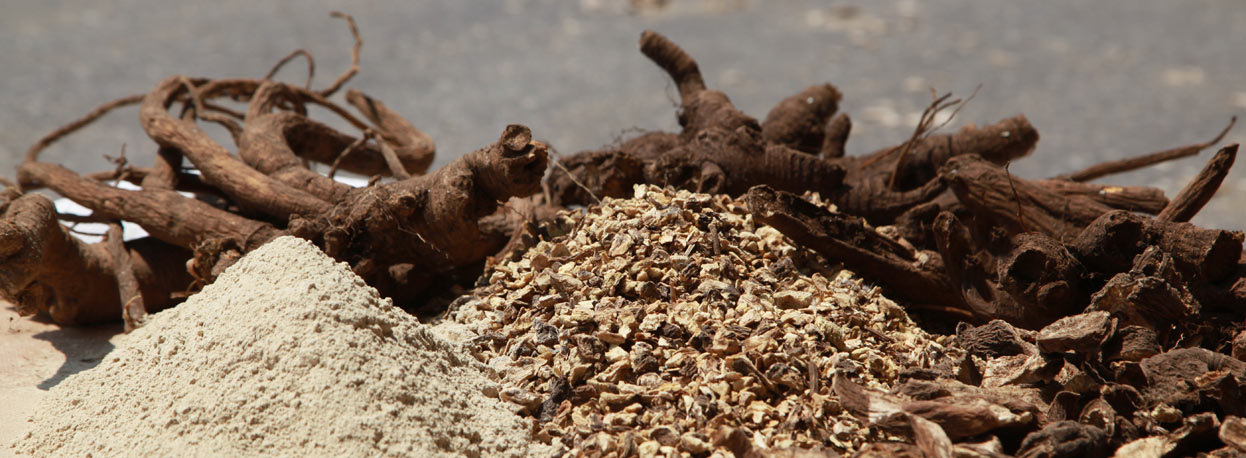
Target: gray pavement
pixel 1100 80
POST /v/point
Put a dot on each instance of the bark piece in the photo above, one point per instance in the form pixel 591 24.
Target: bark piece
pixel 890 449
pixel 1036 280
pixel 1124 398
pixel 268 140
pixel 1021 370
pixel 1043 277
pixel 1196 433
pixel 166 215
pixel 1239 346
pixel 1082 333
pixel 413 148
pixel 720 149
pixel 1171 375
pixel 1133 343
pixel 966 417
pixel 959 417
pixel 1134 163
pixel 837 131
pixel 372 229
pixel 44 269
pixel 992 340
pixel 930 437
pixel 1065 439
pixel 1064 406
pixel 1151 294
pixel 133 312
pixel 1233 432
pixel 243 184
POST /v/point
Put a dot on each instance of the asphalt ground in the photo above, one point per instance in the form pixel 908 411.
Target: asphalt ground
pixel 1100 80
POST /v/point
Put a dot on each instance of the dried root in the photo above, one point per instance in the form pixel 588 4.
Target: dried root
pixel 400 235
pixel 723 150
pixel 1080 307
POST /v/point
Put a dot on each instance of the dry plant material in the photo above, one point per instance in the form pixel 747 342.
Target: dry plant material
pixel 1088 318
pixel 671 322
pixel 400 236
pixel 1200 190
pixel 722 150
pixel 1134 163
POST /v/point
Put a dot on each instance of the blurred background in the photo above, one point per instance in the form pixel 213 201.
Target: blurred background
pixel 1100 80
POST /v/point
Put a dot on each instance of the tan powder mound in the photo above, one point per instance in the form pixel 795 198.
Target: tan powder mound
pixel 287 354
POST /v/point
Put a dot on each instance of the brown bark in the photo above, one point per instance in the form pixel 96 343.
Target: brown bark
pixel 373 227
pixel 719 150
pixel 998 143
pixel 166 215
pixel 399 235
pixel 1032 282
pixel 1151 294
pixel 263 145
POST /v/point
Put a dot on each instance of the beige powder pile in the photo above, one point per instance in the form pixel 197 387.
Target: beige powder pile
pixel 287 354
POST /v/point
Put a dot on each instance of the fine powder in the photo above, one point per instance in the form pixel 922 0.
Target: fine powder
pixel 287 354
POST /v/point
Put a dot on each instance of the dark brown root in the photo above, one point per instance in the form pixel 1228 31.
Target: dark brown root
pixel 1199 191
pixel 1134 163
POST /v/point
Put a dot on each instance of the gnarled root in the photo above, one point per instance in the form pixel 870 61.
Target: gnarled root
pixel 721 149
pixel 401 235
pixel 43 268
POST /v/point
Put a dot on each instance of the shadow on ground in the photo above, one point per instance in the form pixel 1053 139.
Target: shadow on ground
pixel 83 348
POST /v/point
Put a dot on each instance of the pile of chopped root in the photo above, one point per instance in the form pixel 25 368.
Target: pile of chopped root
pixel 288 354
pixel 671 323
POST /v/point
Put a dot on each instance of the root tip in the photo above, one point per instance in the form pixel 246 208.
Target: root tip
pixel 516 137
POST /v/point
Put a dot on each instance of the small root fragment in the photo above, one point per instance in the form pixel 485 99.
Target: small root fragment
pixel 1199 191
pixel 133 312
